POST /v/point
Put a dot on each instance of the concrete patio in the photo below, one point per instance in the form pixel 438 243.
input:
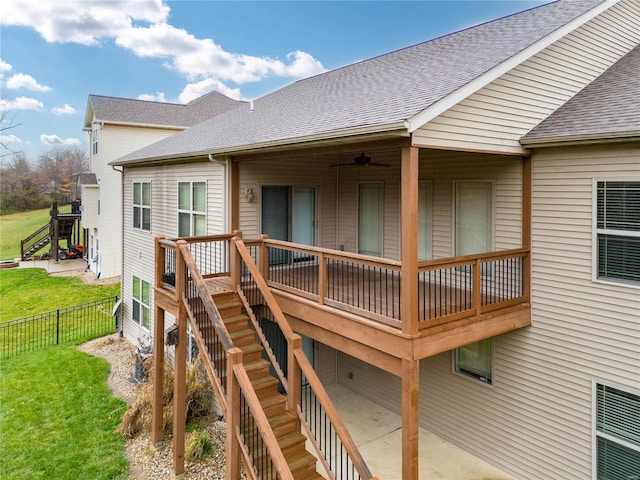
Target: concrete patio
pixel 377 433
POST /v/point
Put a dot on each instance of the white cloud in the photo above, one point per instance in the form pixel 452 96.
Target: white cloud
pixel 56 140
pixel 195 90
pixel 142 28
pixel 22 103
pixel 149 97
pixel 66 110
pixel 21 80
pixel 9 139
pixel 81 21
pixel 4 66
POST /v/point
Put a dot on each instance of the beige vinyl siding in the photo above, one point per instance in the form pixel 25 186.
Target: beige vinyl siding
pixel 139 245
pixel 309 172
pixel 442 168
pixel 535 421
pixel 116 141
pixel 90 197
pixel 495 118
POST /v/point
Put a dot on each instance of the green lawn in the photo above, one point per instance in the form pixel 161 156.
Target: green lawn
pixel 27 291
pixel 57 418
pixel 18 226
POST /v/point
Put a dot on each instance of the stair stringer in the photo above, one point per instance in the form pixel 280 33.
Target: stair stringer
pixel 284 424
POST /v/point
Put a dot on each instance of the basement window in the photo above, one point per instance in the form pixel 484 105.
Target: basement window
pixel 617 434
pixel 475 360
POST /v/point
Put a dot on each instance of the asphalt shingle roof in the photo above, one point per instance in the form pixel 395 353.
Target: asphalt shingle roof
pixel 126 110
pixel 608 106
pixel 381 91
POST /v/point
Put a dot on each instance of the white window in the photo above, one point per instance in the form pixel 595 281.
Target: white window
pixel 94 141
pixel 617 243
pixel 192 218
pixel 475 360
pixel 142 205
pixel 140 303
pixel 617 434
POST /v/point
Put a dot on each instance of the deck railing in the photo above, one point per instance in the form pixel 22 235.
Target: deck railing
pixel 448 289
pixel 335 449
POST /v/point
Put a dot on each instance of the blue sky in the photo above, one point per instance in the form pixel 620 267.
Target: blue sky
pixel 53 54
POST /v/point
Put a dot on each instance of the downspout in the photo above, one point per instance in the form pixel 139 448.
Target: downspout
pixel 120 323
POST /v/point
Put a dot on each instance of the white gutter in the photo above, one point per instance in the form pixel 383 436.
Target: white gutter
pixel 465 91
pixel 587 138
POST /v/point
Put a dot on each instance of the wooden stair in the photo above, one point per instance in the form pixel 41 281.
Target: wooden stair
pixel 285 425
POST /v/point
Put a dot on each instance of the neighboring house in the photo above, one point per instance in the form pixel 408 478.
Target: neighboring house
pixel 490 180
pixel 116 127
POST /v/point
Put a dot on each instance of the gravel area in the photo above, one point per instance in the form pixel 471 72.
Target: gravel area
pixel 147 462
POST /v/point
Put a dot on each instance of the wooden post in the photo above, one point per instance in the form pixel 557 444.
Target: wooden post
pixel 410 418
pixel 294 375
pixel 263 260
pixel 409 269
pixel 236 261
pixel 159 259
pixel 234 357
pixel 158 378
pixel 179 393
pixel 526 223
pixel 322 278
pixel 180 369
pixel 235 195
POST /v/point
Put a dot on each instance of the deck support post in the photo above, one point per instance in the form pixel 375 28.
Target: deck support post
pixel 236 261
pixel 526 224
pixel 294 375
pixel 234 357
pixel 409 269
pixel 158 378
pixel 180 369
pixel 410 418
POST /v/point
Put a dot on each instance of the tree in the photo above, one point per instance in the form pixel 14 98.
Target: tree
pixel 18 189
pixel 7 122
pixel 58 169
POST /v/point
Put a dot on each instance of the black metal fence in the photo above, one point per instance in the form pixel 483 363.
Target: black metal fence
pixel 78 323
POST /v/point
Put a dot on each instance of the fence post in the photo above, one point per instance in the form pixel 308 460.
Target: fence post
pixel 58 327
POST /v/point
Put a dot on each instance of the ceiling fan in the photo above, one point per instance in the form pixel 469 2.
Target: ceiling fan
pixel 361 161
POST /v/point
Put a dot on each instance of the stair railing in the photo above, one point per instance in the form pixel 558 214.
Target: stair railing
pixel 41 236
pixel 337 452
pixel 233 387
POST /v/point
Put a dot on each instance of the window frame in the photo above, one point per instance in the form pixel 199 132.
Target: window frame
pixel 138 302
pixel 598 232
pixel 595 434
pixel 94 141
pixel 477 379
pixel 193 214
pixel 141 207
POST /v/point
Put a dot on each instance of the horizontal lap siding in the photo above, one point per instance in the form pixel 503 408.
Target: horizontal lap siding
pixel 495 117
pixel 298 173
pixel 116 141
pixel 139 250
pixel 536 421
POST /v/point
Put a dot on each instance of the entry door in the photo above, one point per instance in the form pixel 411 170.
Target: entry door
pixel 370 219
pixel 474 218
pixel 288 213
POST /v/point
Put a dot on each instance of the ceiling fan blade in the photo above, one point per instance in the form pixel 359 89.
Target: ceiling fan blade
pixel 344 165
pixel 380 164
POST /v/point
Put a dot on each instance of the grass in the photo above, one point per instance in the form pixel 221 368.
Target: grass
pixel 57 418
pixel 27 291
pixel 17 226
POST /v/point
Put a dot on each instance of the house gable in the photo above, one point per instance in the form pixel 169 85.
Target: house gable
pixel 494 118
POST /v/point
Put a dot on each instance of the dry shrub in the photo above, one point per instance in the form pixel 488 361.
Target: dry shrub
pixel 197 446
pixel 199 399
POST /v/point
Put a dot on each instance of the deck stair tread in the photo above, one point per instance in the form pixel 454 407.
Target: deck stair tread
pixel 284 423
